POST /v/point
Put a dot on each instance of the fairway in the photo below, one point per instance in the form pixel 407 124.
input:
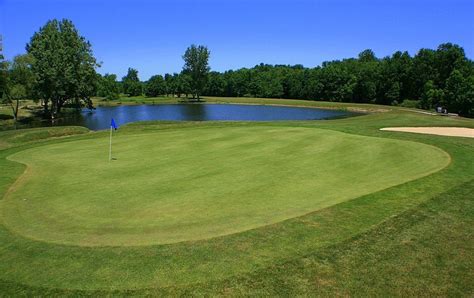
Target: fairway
pixel 175 185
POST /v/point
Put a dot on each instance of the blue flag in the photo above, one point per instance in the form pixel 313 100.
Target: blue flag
pixel 113 125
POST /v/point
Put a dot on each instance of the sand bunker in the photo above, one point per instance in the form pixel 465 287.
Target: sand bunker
pixel 441 131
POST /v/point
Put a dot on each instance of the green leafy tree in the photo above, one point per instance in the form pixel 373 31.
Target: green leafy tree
pixel 108 87
pixel 418 81
pixel 367 56
pixel 16 93
pixel 423 70
pixel 312 86
pixel 3 78
pixel 431 96
pixel 63 66
pixel 19 82
pixel 131 83
pixel 22 74
pixel 215 85
pixel 196 65
pixel 170 84
pixel 393 71
pixel 182 83
pixel 449 57
pixel 393 94
pixel 270 86
pixel 466 103
pixel 459 93
pixel 155 86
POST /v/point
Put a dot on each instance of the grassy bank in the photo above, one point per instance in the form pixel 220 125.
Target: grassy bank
pixel 409 239
pixel 244 100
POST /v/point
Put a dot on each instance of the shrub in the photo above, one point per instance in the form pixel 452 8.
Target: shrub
pixel 408 103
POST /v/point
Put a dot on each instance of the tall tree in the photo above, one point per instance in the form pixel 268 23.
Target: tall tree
pixel 196 65
pixel 131 83
pixel 459 93
pixel 449 57
pixel 3 77
pixel 424 69
pixel 63 66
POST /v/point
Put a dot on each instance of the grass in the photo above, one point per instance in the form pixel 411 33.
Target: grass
pixel 197 183
pixel 412 238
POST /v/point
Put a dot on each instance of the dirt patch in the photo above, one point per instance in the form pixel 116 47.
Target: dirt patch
pixel 441 131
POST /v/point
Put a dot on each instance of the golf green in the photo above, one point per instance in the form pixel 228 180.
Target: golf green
pixel 185 184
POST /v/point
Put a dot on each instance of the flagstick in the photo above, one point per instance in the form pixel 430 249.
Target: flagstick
pixel 110 146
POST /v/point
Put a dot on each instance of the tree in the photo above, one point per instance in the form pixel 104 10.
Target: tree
pixel 155 86
pixel 131 83
pixel 215 85
pixel 364 79
pixel 16 93
pixel 108 87
pixel 170 84
pixel 18 82
pixel 459 93
pixel 393 71
pixel 449 57
pixel 3 78
pixel 466 103
pixel 63 66
pixel 431 96
pixel 367 56
pixel 423 70
pixel 182 83
pixel 196 65
pixel 393 94
pixel 22 74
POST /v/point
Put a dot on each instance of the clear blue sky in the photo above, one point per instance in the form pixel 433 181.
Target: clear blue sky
pixel 152 35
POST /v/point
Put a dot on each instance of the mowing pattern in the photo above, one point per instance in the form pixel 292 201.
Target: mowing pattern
pixel 409 240
pixel 197 183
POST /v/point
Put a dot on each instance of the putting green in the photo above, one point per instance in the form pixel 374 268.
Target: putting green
pixel 194 183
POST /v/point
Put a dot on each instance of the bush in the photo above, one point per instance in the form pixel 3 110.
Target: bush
pixel 408 103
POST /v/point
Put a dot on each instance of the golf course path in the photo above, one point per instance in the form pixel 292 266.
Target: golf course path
pixel 441 131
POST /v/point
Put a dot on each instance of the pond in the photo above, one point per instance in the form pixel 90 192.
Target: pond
pixel 100 117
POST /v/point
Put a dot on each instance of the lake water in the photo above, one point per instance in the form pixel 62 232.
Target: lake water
pixel 100 117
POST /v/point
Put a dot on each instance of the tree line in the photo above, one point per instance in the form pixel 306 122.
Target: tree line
pixel 192 80
pixel 59 69
pixel 431 78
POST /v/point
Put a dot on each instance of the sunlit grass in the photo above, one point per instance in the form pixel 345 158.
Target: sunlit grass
pixel 410 239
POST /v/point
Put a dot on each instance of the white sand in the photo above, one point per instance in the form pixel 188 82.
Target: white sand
pixel 441 131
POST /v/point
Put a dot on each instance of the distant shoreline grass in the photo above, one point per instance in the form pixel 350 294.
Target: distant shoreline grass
pixel 412 239
pixel 241 100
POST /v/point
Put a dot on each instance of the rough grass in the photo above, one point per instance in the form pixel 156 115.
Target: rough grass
pixel 11 138
pixel 411 239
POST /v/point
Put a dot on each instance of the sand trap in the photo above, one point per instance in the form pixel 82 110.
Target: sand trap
pixel 441 131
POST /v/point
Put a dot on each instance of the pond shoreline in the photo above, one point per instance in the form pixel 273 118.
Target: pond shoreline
pixel 99 118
